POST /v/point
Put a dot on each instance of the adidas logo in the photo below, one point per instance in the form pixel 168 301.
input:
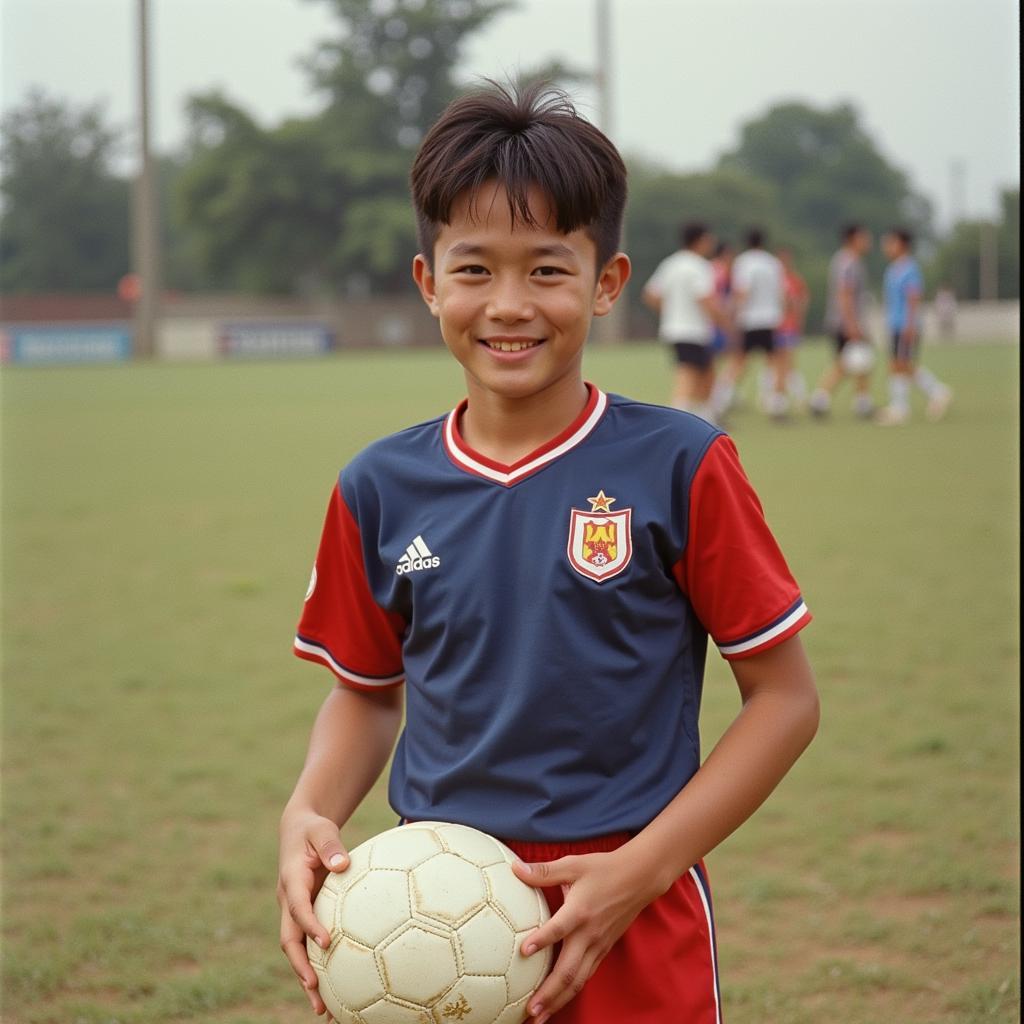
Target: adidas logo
pixel 417 556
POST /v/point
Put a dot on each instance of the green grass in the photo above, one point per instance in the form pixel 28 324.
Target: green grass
pixel 158 527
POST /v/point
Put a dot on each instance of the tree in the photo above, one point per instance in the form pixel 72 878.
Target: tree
pixel 322 203
pixel 827 171
pixel 65 218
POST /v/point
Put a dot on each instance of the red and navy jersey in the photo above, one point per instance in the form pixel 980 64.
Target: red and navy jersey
pixel 550 618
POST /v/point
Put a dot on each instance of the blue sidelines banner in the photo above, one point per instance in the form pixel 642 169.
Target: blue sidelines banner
pixel 36 344
pixel 270 340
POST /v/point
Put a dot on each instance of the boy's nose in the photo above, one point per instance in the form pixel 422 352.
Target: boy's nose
pixel 509 304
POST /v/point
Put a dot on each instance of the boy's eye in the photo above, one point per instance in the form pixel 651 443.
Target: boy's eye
pixel 548 271
pixel 471 268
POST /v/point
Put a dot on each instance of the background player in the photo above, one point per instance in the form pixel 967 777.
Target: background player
pixel 845 319
pixel 795 299
pixel 682 291
pixel 904 290
pixel 757 289
pixel 721 267
pixel 601 540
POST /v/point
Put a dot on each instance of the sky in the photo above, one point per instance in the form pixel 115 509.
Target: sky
pixel 935 81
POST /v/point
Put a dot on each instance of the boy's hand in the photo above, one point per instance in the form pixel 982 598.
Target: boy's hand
pixel 604 892
pixel 309 849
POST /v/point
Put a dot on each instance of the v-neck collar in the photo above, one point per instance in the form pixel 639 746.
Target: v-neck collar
pixel 480 465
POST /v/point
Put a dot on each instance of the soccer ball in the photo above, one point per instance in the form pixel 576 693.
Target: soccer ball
pixel 858 357
pixel 426 926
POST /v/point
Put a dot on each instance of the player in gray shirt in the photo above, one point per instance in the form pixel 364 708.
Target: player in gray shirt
pixel 845 320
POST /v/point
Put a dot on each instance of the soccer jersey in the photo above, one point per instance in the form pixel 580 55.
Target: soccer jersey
pixel 902 281
pixel 682 280
pixel 845 271
pixel 758 275
pixel 549 618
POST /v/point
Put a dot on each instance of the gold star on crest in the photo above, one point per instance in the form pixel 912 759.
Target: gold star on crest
pixel 601 502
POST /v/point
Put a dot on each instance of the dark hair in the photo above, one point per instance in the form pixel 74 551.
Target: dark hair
pixel 722 248
pixel 692 232
pixel 755 238
pixel 849 230
pixel 521 137
pixel 904 235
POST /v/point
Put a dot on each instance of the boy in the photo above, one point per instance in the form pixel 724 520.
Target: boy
pixel 845 317
pixel 541 566
pixel 682 291
pixel 904 288
pixel 757 284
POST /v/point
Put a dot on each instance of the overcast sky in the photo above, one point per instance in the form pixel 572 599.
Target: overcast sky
pixel 936 81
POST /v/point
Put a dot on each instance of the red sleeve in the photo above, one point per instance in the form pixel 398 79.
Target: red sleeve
pixel 732 569
pixel 342 626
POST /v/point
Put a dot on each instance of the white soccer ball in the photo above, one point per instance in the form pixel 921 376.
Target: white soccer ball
pixel 426 926
pixel 858 357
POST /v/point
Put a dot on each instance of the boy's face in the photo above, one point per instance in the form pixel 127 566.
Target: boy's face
pixel 515 302
pixel 892 246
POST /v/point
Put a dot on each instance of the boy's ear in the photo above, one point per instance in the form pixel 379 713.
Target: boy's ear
pixel 424 278
pixel 610 282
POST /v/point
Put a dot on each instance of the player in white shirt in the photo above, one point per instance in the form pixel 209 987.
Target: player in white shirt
pixel 758 289
pixel 682 291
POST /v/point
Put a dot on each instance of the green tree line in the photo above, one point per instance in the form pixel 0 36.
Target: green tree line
pixel 319 205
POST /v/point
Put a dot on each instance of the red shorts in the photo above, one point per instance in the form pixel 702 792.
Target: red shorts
pixel 664 969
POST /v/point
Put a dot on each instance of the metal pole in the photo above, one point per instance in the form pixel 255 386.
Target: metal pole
pixel 146 216
pixel 614 326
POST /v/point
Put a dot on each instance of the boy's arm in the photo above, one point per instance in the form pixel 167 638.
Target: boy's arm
pixel 778 719
pixel 352 737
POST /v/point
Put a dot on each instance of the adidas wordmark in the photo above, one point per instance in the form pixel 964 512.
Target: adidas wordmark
pixel 417 556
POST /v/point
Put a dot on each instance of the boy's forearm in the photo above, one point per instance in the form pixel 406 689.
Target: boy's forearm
pixel 778 720
pixel 352 738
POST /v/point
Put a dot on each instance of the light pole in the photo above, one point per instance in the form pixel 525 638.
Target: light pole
pixel 145 217
pixel 614 326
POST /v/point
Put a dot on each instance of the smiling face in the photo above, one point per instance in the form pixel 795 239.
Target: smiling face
pixel 515 300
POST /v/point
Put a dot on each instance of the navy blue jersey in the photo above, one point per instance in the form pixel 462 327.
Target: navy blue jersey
pixel 550 618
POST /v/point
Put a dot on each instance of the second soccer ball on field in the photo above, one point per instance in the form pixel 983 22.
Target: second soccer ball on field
pixel 858 357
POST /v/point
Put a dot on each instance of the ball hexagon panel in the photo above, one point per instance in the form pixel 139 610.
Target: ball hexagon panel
pixel 474 846
pixel 522 905
pixel 353 968
pixel 403 848
pixel 375 906
pixel 487 943
pixel 472 1000
pixel 417 964
pixel 514 1013
pixel 447 888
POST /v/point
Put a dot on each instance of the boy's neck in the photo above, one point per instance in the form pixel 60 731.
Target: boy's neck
pixel 508 429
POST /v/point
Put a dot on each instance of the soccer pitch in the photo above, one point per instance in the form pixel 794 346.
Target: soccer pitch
pixel 159 523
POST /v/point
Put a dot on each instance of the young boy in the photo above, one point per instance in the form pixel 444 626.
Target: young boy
pixel 758 296
pixel 682 292
pixel 542 567
pixel 904 290
pixel 845 317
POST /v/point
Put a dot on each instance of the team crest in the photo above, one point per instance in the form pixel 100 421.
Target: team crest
pixel 600 545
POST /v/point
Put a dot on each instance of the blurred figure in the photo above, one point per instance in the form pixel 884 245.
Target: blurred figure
pixel 757 292
pixel 945 310
pixel 721 265
pixel 845 318
pixel 682 291
pixel 795 299
pixel 904 289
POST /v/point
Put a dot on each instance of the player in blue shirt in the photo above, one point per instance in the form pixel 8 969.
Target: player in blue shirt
pixel 903 286
pixel 536 574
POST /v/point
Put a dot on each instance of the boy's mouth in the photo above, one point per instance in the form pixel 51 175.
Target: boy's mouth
pixel 499 344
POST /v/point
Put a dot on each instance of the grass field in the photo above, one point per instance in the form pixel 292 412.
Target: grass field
pixel 159 523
